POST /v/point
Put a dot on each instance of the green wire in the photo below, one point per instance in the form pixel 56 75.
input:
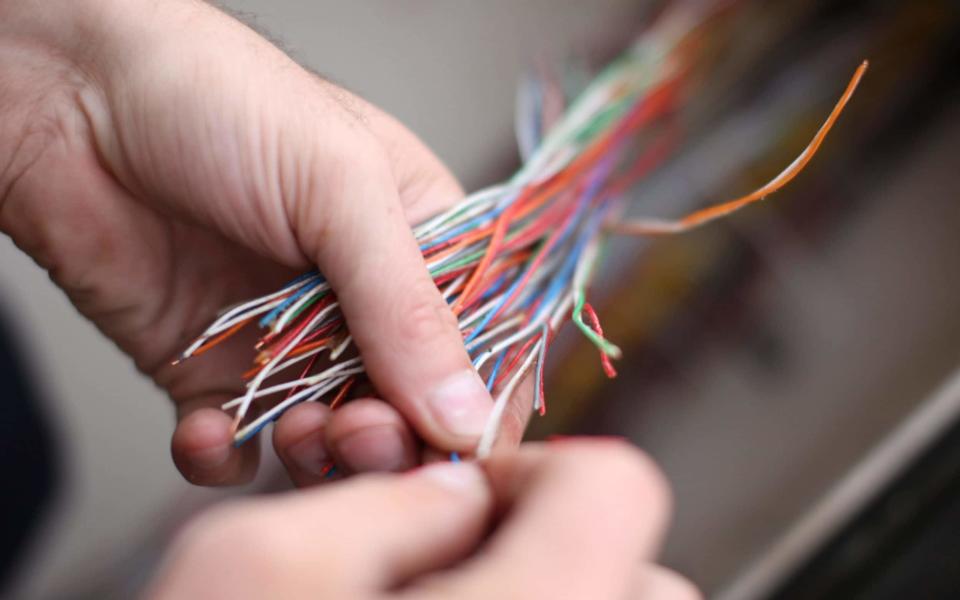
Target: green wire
pixel 605 346
pixel 580 299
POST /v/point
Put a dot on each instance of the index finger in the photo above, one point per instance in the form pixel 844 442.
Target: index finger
pixel 355 227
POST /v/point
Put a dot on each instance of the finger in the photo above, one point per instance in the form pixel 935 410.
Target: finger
pixel 355 540
pixel 370 435
pixel 202 448
pixel 579 472
pixel 203 444
pixel 409 339
pixel 513 425
pixel 581 514
pixel 426 187
pixel 655 582
pixel 299 440
pixel 406 524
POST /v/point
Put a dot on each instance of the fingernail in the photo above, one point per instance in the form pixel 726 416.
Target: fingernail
pixel 212 457
pixel 457 477
pixel 310 455
pixel 373 449
pixel 461 404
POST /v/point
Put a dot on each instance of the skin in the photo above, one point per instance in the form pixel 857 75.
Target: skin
pixel 161 160
pixel 520 525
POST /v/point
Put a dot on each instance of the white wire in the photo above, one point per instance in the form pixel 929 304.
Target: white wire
pixel 268 369
pixel 516 337
pixel 492 428
pixel 270 415
pixel 333 371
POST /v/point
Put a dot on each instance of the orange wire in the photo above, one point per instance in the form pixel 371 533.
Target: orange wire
pixel 338 399
pixel 220 337
pixel 705 215
pixel 657 101
pixel 497 270
pixel 499 233
pixel 477 235
pixel 293 354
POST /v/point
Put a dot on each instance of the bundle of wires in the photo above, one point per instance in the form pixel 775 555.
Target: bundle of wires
pixel 513 261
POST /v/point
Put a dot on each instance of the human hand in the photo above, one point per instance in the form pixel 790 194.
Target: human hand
pixel 161 160
pixel 576 519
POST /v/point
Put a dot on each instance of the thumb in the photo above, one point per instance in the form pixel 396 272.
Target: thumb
pixel 411 524
pixel 409 339
pixel 295 155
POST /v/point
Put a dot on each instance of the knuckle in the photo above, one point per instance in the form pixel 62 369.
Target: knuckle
pixel 637 476
pixel 355 153
pixel 424 317
pixel 356 156
pixel 322 185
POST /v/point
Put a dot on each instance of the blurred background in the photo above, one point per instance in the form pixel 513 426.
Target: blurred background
pixel 793 369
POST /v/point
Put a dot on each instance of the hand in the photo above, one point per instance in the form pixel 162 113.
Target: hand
pixel 161 161
pixel 576 519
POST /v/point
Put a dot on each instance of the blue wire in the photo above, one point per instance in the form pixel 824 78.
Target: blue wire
pixel 273 314
pixel 251 433
pixel 496 369
pixel 583 203
pixel 493 213
pixel 495 287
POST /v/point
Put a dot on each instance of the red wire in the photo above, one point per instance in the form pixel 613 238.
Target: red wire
pixel 513 361
pixel 595 325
